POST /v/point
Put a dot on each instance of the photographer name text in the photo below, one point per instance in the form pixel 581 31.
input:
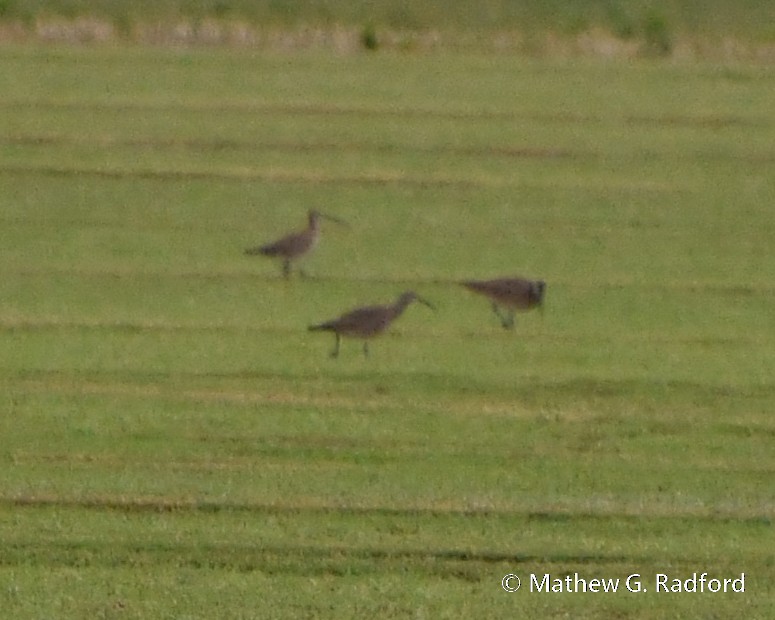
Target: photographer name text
pixel 696 583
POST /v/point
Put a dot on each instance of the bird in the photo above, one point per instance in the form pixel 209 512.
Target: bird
pixel 509 295
pixel 295 245
pixel 368 321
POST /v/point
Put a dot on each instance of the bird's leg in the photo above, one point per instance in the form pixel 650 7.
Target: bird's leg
pixel 335 352
pixel 286 268
pixel 507 320
pixel 365 348
pixel 498 313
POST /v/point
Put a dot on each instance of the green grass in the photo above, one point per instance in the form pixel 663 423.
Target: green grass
pixel 175 444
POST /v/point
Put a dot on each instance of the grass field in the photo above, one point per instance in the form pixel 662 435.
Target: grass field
pixel 175 444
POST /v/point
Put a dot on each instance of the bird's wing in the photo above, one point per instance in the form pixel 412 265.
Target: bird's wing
pixel 282 247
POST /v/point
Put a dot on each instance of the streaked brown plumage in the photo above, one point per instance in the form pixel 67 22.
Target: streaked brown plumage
pixel 294 245
pixel 368 321
pixel 509 294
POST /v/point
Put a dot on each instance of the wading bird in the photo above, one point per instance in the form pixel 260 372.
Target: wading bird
pixel 295 245
pixel 509 295
pixel 367 322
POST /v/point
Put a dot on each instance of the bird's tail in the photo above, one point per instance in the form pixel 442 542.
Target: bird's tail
pixel 260 249
pixel 472 285
pixel 321 327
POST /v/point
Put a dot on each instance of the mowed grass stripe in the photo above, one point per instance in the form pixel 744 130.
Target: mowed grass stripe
pixel 319 506
pixel 754 287
pixel 699 120
pixel 276 174
pixel 62 327
pixel 313 176
pixel 506 151
pixel 294 110
pixel 285 558
pixel 526 386
pixel 366 392
pixel 515 151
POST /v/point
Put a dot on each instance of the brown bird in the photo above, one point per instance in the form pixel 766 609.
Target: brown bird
pixel 367 322
pixel 509 295
pixel 295 245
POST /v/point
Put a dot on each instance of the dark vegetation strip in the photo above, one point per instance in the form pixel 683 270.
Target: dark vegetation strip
pixel 248 174
pixel 268 276
pixel 304 559
pixel 150 383
pixel 160 327
pixel 295 109
pixel 706 121
pixel 703 121
pixel 388 177
pixel 516 152
pixel 128 327
pixel 160 505
pixel 232 145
